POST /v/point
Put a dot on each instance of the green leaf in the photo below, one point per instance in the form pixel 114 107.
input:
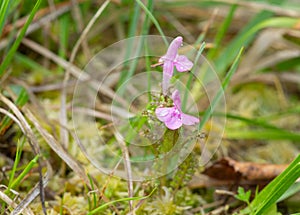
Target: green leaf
pixel 242 195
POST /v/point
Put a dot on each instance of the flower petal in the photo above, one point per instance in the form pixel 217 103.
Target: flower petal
pixel 189 120
pixel 182 63
pixel 176 100
pixel 174 122
pixel 164 114
pixel 167 75
pixel 173 48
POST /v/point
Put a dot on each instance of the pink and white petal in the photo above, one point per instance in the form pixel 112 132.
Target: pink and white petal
pixel 162 59
pixel 189 120
pixel 173 123
pixel 168 68
pixel 183 64
pixel 177 100
pixel 173 48
pixel 164 114
pixel 167 75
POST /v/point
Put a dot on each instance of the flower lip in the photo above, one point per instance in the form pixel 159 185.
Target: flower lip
pixel 173 117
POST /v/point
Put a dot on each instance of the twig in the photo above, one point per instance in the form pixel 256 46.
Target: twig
pixel 75 71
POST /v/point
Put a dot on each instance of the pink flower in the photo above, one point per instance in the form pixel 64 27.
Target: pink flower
pixel 173 116
pixel 171 59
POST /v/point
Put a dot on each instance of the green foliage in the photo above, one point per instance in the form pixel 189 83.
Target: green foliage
pixel 4 8
pixel 243 196
pixel 19 38
pixel 208 112
pixel 261 126
pixel 274 190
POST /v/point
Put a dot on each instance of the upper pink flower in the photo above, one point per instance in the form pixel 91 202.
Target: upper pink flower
pixel 171 59
pixel 173 116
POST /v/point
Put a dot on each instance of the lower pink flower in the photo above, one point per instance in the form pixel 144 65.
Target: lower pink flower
pixel 173 117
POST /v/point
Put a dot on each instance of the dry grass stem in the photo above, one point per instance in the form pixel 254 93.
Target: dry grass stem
pixel 258 6
pixel 13 204
pixel 127 164
pixel 75 71
pixel 56 147
pixel 63 111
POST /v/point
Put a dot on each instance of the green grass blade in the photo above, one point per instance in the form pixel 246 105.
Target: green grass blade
pixel 267 134
pixel 240 40
pixel 119 200
pixel 225 83
pixel 16 44
pixel 244 39
pixel 94 194
pixel 31 64
pixel 27 169
pixel 295 188
pixel 125 75
pixel 64 24
pixel 221 33
pixel 153 19
pixel 256 121
pixel 17 160
pixel 275 189
pixel 4 8
pixel 132 32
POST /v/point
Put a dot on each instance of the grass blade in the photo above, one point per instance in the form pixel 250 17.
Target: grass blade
pixel 16 44
pixel 153 19
pixel 274 190
pixel 27 169
pixel 5 5
pixel 120 200
pixel 225 83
